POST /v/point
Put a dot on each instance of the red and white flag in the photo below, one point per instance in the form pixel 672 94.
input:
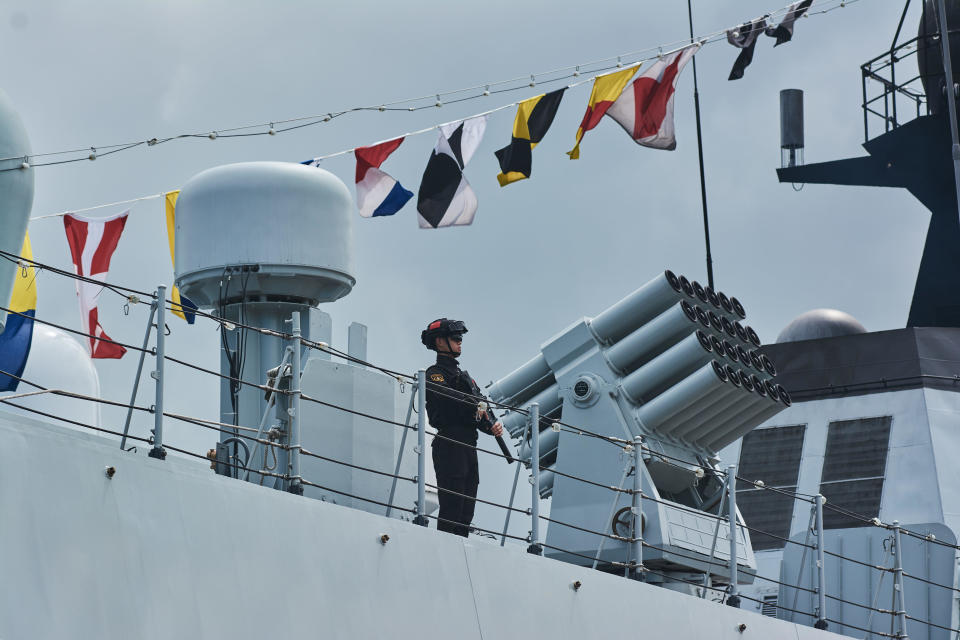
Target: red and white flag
pixel 92 243
pixel 645 108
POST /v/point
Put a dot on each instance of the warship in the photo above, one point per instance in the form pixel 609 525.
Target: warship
pixel 699 483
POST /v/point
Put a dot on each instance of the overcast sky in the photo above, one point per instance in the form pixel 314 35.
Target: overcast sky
pixel 541 253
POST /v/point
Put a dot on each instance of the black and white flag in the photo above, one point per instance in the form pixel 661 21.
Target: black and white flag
pixel 784 31
pixel 446 198
pixel 744 38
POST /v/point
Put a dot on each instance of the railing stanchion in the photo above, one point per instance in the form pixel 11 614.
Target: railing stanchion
pixel 821 622
pixel 535 547
pixel 136 379
pixel 403 443
pixel 296 484
pixel 901 612
pixel 513 491
pixel 421 518
pixel 613 510
pixel 271 402
pixel 637 509
pixel 713 545
pixel 733 599
pixel 158 451
pixel 803 558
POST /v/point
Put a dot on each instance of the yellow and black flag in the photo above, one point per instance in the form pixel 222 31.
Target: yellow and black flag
pixel 534 117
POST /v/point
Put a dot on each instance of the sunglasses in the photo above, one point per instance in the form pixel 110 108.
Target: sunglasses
pixel 457 339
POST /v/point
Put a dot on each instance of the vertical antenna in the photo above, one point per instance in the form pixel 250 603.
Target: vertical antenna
pixel 703 182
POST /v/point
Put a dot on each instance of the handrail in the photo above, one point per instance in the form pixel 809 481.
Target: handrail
pixel 636 564
pixel 632 565
pixel 891 87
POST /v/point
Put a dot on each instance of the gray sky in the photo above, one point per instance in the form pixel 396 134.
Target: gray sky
pixel 569 242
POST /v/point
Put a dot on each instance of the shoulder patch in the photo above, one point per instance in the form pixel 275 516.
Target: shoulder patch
pixel 437 377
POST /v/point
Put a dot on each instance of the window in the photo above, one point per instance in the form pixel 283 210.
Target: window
pixel 853 470
pixel 773 456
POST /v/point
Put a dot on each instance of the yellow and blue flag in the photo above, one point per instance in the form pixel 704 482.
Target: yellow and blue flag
pixel 16 338
pixel 182 306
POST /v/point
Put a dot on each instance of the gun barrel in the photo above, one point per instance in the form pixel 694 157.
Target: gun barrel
pixel 546 482
pixel 709 405
pixel 668 368
pixel 508 456
pixel 548 443
pixel 548 399
pixel 716 427
pixel 745 422
pixel 638 308
pixel 526 381
pixel 652 338
pixel 682 395
pixel 704 423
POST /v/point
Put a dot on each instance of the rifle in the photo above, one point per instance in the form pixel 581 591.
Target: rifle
pixel 482 405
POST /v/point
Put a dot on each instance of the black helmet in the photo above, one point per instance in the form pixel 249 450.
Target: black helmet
pixel 440 329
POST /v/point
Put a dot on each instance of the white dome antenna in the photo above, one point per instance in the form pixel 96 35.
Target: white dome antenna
pixel 289 226
pixel 255 243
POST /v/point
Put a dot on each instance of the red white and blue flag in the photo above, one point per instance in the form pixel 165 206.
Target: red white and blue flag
pixel 92 243
pixel 378 194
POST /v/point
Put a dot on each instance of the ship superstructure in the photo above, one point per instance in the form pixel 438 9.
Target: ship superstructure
pixel 872 429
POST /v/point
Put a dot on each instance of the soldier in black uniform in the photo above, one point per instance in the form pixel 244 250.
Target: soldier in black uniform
pixel 453 406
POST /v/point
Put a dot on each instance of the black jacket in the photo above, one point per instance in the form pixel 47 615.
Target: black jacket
pixel 452 402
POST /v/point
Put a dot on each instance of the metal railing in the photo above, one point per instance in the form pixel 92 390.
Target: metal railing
pixel 633 567
pixel 887 98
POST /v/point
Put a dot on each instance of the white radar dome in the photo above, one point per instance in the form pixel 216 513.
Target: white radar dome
pixel 58 361
pixel 283 232
pixel 16 194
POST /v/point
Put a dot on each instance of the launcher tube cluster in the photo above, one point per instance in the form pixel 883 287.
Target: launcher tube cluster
pixel 673 358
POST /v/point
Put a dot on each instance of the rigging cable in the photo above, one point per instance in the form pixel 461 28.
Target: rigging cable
pixel 462 397
pixel 433 100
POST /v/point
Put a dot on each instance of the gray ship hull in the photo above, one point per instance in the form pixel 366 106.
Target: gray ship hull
pixel 167 549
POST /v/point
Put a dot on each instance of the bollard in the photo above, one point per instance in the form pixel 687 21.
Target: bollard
pixel 898 584
pixel 421 518
pixel 637 510
pixel 296 484
pixel 821 622
pixel 733 599
pixel 535 547
pixel 158 451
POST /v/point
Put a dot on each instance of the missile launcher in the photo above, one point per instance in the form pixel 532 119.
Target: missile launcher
pixel 673 363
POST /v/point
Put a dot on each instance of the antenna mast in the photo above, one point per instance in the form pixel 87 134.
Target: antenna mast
pixel 703 182
pixel 951 92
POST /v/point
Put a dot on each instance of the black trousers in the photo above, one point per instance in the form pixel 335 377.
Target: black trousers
pixel 457 470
